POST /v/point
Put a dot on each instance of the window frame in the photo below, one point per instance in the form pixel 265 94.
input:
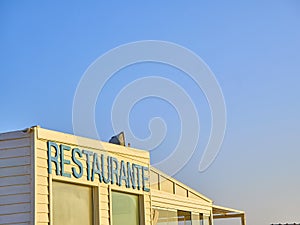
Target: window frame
pixel 165 209
pixel 95 198
pixel 141 202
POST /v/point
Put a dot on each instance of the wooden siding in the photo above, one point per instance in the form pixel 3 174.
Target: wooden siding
pixel 43 179
pixel 170 201
pixel 170 185
pixel 169 193
pixel 16 181
pixel 25 185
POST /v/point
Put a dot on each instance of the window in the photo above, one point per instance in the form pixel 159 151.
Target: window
pixel 201 219
pixel 184 217
pixel 72 204
pixel 165 217
pixel 196 219
pixel 204 219
pixel 125 209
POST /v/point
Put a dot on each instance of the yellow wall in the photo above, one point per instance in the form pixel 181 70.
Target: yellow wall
pixel 168 193
pixel 43 179
pixel 25 182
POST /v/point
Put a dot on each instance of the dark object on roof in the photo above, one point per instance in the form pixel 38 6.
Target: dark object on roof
pixel 118 139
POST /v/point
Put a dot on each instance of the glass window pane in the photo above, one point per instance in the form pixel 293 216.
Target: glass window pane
pixel 184 217
pixel 201 219
pixel 206 220
pixel 195 219
pixel 72 204
pixel 125 209
pixel 166 217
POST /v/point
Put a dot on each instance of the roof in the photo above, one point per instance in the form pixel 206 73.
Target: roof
pixel 220 212
pixel 187 188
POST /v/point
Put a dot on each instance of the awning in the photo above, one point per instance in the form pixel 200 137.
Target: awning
pixel 220 212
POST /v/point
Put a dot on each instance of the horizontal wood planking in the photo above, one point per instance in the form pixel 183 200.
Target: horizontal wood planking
pixel 22 154
pixel 42 199
pixel 12 162
pixel 14 135
pixel 42 217
pixel 42 189
pixel 15 152
pixel 160 197
pixel 166 205
pixel 13 144
pixel 15 208
pixel 43 208
pixel 16 189
pixel 42 171
pixel 165 200
pixel 15 171
pixel 40 223
pixel 87 143
pixel 167 184
pixel 105 222
pixel 43 154
pixel 104 204
pixel 17 224
pixel 15 199
pixel 41 164
pixel 42 186
pixel 15 218
pixel 16 178
pixel 41 180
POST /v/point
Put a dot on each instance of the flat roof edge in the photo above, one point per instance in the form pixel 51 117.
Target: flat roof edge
pixel 225 210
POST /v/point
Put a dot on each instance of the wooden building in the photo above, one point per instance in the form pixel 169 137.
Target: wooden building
pixel 53 178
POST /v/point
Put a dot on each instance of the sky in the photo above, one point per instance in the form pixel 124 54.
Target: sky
pixel 252 48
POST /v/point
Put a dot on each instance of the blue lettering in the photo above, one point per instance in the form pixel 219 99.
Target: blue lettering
pixel 53 158
pixel 138 167
pixel 88 162
pixel 106 180
pixel 63 161
pixel 77 162
pixel 145 178
pixel 108 168
pixel 130 176
pixel 114 170
pixel 123 174
pixel 96 167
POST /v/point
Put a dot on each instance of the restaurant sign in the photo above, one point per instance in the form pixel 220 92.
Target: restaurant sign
pixel 103 167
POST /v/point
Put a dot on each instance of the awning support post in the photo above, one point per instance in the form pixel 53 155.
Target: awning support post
pixel 243 219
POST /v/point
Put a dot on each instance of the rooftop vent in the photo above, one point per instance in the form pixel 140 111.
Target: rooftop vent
pixel 118 139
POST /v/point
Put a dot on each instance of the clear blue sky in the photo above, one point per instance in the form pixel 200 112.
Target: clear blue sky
pixel 252 47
